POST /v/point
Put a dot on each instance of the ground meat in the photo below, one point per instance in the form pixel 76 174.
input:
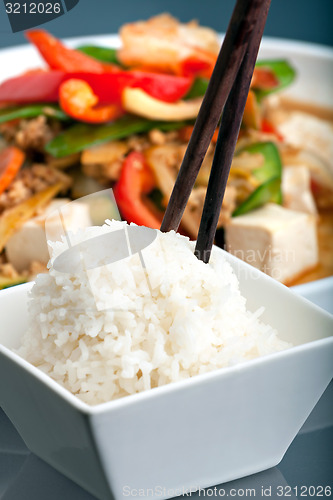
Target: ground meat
pixel 8 132
pixel 157 137
pixel 31 134
pixel 92 170
pixel 8 271
pixel 104 162
pixel 37 268
pixel 197 199
pixel 228 205
pixel 30 181
pixel 111 171
pixel 16 192
pixel 138 143
pixel 104 172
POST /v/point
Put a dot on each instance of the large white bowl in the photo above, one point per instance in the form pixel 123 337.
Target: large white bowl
pixel 200 432
pixel 313 63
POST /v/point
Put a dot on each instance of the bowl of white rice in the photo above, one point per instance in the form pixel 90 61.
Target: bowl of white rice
pixel 155 372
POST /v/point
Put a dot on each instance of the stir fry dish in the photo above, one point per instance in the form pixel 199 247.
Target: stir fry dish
pixel 98 117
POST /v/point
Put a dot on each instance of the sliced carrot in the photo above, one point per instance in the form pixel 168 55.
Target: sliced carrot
pixel 186 132
pixel 215 135
pixel 252 115
pixel 11 160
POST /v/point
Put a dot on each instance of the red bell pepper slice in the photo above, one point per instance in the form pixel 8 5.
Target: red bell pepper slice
pixel 11 160
pixel 136 179
pixel 78 100
pixel 268 128
pixel 200 64
pixel 43 86
pixel 59 57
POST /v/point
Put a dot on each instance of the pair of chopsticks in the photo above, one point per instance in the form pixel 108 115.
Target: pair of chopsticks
pixel 227 91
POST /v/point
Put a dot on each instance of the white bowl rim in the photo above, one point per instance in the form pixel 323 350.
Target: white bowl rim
pixel 307 48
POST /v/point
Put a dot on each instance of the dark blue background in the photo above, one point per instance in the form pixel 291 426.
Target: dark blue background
pixel 296 19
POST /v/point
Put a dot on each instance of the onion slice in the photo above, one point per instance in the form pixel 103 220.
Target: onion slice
pixel 138 102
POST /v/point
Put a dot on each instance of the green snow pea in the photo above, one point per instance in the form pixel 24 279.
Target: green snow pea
pixel 104 54
pixel 31 111
pixel 81 136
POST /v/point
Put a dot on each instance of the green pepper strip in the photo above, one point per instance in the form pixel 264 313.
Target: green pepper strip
pixel 269 175
pixel 31 111
pixel 267 192
pixel 198 88
pixel 81 136
pixel 284 73
pixel 272 166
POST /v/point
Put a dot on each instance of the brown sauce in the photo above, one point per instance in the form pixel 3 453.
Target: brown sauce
pixel 325 244
pixel 312 109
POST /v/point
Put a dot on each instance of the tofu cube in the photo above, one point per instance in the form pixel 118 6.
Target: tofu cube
pixel 309 133
pixel 296 189
pixel 29 243
pixel 278 241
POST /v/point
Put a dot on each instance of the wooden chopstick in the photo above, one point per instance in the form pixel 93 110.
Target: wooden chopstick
pixel 245 20
pixel 226 142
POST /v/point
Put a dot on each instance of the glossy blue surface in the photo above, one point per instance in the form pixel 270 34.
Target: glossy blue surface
pixel 308 462
pixel 297 19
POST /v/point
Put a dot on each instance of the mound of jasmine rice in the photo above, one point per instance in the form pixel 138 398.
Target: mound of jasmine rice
pixel 140 323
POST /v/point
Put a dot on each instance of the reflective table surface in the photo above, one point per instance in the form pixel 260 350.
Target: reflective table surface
pixel 305 471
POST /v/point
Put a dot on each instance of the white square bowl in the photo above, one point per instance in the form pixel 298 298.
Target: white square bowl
pixel 200 432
